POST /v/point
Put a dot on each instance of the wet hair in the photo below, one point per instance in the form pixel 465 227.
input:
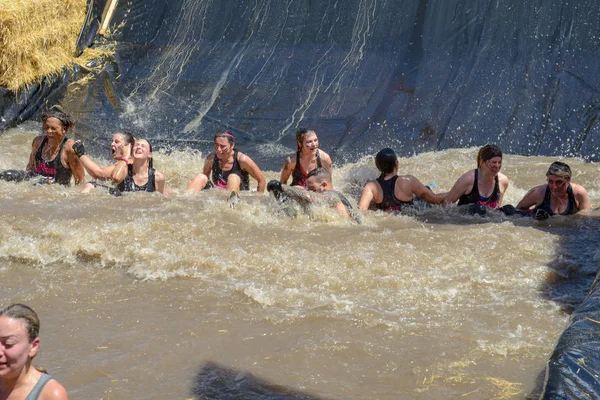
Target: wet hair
pixel 300 136
pixel 65 119
pixel 321 174
pixel 29 318
pixel 150 163
pixel 227 135
pixel 129 139
pixel 27 315
pixel 128 136
pixel 386 160
pixel 488 152
pixel 560 169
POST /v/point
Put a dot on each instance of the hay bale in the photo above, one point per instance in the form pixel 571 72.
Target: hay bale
pixel 37 39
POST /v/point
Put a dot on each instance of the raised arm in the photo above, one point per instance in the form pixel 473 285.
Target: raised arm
pixel 119 172
pixel 250 166
pixel 90 166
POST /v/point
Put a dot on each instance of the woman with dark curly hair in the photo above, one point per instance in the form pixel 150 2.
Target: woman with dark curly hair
pixel 52 156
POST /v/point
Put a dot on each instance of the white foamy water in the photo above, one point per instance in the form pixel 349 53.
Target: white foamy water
pixel 137 292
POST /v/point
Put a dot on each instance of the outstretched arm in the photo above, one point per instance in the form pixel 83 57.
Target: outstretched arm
pixel 532 198
pixel 424 193
pixel 90 166
pixel 462 185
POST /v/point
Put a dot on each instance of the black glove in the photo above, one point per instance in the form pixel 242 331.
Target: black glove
pixel 541 214
pixel 79 149
pixel 274 186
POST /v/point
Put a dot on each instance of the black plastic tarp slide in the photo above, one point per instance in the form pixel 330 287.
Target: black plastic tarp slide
pixel 415 75
pixel 573 371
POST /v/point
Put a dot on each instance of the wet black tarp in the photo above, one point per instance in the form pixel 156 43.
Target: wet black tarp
pixel 573 371
pixel 416 75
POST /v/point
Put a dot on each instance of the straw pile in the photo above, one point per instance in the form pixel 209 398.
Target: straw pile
pixel 37 39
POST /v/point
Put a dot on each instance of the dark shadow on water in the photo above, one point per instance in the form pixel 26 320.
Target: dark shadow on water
pixel 219 382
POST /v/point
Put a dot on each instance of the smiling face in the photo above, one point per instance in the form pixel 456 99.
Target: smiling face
pixel 141 150
pixel 494 164
pixel 310 142
pixel 15 349
pixel 119 147
pixel 54 129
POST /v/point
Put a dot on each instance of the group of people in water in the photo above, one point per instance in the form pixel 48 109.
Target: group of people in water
pixel 56 159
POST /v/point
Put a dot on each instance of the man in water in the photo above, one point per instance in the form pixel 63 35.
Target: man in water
pixel 558 197
pixel 319 191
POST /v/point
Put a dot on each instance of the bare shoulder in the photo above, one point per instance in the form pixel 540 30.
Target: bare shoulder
pixel 373 185
pixel 578 189
pixel 209 158
pixel 469 175
pixel 53 391
pixel 537 191
pixel 465 181
pixel 324 156
pixel 245 159
pixel 408 178
pixel 37 140
pixel 503 179
pixel 159 175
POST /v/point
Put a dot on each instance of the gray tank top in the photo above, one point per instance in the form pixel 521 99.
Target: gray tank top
pixel 39 386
